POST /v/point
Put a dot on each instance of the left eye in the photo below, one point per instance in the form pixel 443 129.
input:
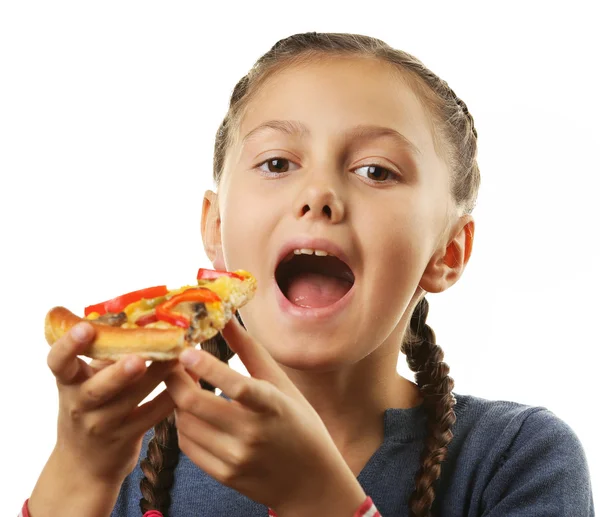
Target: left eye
pixel 375 172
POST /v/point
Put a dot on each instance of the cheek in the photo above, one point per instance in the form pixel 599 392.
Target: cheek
pixel 394 232
pixel 244 224
pixel 393 275
pixel 395 247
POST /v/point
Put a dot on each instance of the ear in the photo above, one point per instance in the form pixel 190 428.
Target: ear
pixel 211 230
pixel 447 264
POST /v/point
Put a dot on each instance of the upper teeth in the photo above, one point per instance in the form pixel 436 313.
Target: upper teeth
pixel 308 251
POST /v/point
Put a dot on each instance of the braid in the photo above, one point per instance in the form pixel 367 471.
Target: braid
pixel 463 106
pixel 159 467
pixel 425 358
pixel 163 449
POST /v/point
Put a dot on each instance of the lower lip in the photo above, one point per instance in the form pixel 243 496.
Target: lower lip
pixel 314 313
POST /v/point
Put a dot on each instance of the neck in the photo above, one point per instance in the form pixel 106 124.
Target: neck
pixel 351 400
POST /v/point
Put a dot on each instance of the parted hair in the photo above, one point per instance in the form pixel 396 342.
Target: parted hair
pixel 455 139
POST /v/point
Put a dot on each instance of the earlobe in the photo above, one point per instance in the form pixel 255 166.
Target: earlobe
pixel 446 267
pixel 211 229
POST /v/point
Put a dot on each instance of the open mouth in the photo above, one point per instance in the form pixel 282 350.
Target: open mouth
pixel 313 279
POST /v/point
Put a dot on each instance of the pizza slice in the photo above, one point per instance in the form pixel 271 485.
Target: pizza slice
pixel 157 323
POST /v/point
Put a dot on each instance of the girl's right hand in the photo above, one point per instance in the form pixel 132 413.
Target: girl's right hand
pixel 100 426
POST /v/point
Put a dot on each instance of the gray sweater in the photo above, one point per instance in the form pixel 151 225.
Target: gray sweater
pixel 505 460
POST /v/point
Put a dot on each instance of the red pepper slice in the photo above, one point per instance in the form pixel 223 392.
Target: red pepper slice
pixel 120 302
pixel 197 294
pixel 210 274
pixel 146 319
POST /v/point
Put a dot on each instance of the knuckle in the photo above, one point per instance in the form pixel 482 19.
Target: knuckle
pixel 276 407
pixel 92 396
pixel 271 398
pixel 243 390
pixel 182 419
pixel 93 428
pixel 52 359
pixel 76 414
pixel 183 442
pixel 228 474
pixel 253 438
pixel 238 456
pixel 187 400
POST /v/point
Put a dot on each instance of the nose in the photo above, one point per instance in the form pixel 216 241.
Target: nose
pixel 320 202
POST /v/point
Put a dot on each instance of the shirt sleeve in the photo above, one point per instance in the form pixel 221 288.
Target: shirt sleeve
pixel 544 473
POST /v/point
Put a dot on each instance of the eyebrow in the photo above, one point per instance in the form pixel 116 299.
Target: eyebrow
pixel 296 128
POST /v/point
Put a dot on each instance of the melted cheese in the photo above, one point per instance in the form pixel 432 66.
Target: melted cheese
pixel 221 286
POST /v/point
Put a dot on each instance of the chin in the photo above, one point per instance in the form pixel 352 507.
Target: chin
pixel 313 353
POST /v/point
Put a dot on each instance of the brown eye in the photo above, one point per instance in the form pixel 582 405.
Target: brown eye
pixel 275 167
pixel 278 165
pixel 374 172
pixel 377 173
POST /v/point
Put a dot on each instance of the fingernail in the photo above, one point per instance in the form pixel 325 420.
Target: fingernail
pixel 81 332
pixel 131 366
pixel 189 357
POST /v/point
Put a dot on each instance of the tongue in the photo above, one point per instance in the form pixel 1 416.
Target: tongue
pixel 316 290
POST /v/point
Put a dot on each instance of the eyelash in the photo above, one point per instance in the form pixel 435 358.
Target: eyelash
pixel 395 176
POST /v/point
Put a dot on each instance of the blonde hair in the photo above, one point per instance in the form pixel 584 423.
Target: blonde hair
pixel 455 138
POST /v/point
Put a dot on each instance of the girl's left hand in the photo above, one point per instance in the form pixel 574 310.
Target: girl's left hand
pixel 268 442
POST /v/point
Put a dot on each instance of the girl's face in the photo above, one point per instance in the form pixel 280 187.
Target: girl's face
pixel 338 156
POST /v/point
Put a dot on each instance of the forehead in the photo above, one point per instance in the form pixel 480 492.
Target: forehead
pixel 334 93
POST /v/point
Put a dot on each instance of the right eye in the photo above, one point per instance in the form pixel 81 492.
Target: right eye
pixel 275 166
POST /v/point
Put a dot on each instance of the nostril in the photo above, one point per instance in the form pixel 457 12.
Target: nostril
pixel 326 210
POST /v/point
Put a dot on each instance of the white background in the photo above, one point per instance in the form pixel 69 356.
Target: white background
pixel 107 118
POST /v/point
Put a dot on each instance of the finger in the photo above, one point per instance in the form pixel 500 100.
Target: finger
pixel 180 369
pixel 255 357
pixel 129 379
pixel 110 381
pixel 157 373
pixel 252 393
pixel 202 434
pixel 149 414
pixel 206 461
pixel 62 358
pixel 204 404
pixel 100 364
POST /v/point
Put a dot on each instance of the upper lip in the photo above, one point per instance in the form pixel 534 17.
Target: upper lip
pixel 315 244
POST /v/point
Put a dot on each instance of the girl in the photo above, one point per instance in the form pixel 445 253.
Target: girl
pixel 346 176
